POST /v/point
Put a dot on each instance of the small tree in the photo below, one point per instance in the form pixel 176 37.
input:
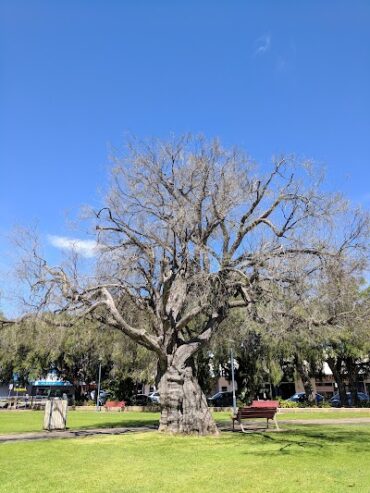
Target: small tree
pixel 341 337
pixel 347 343
pixel 189 232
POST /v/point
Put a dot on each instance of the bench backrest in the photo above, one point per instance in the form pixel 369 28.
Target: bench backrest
pixel 256 413
pixel 259 409
pixel 264 404
pixel 115 404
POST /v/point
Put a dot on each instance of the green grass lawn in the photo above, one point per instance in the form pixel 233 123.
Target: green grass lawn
pixel 23 421
pixel 308 459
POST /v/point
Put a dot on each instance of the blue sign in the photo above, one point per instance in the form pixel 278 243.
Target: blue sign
pixel 51 383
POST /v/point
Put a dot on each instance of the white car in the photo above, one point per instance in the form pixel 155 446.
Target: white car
pixel 154 397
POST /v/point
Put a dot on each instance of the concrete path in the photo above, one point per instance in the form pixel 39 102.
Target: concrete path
pixel 250 425
pixel 45 435
pixel 325 421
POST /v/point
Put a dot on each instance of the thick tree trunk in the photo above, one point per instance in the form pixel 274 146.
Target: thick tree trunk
pixel 336 367
pixel 352 372
pixel 305 377
pixel 184 407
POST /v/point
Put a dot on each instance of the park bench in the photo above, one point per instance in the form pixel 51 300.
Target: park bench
pixel 258 409
pixel 119 405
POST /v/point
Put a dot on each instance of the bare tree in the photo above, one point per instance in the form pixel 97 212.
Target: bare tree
pixel 189 232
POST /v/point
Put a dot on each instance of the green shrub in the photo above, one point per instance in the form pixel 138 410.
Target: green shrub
pixel 363 404
pixel 325 404
pixel 291 404
pixel 288 404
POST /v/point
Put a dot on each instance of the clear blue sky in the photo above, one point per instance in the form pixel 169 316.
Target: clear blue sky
pixel 272 76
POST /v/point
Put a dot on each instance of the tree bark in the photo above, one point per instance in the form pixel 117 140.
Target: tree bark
pixel 184 406
pixel 352 372
pixel 305 377
pixel 336 367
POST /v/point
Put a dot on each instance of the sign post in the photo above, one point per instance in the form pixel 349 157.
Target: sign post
pixel 98 394
pixel 233 380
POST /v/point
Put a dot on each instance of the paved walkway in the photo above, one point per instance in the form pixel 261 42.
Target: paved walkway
pixel 326 421
pixel 248 426
pixel 44 435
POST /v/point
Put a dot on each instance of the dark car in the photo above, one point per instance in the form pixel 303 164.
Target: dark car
pixel 140 400
pixel 221 399
pixel 301 397
pixel 361 396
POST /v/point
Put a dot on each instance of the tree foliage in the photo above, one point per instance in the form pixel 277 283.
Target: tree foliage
pixel 189 232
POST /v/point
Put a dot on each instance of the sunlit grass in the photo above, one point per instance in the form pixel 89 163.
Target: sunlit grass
pixel 24 421
pixel 330 459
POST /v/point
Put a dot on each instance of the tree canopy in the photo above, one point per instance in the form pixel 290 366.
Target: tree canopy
pixel 189 232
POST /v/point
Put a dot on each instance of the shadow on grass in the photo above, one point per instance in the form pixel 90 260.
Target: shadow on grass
pixel 137 423
pixel 307 439
pixel 119 431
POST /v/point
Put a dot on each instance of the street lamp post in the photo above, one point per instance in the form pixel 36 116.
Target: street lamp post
pixel 98 394
pixel 233 380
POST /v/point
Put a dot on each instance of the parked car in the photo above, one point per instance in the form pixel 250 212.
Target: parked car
pixel 301 397
pixel 221 399
pixel 140 400
pixel 3 403
pixel 361 396
pixel 154 397
pixel 103 397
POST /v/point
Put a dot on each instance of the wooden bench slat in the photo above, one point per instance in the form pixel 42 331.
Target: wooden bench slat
pixel 114 404
pixel 258 409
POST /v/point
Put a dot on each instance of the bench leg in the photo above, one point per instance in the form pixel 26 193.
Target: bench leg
pixel 267 423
